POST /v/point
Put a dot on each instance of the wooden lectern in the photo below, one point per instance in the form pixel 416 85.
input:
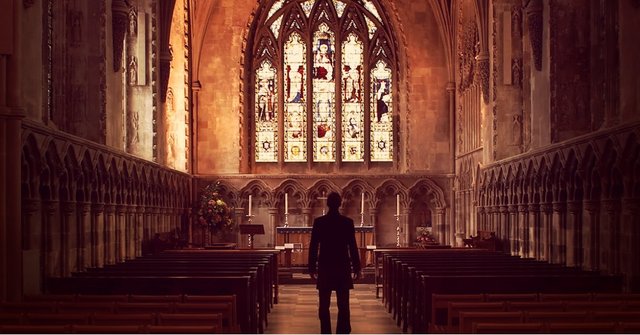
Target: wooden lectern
pixel 251 229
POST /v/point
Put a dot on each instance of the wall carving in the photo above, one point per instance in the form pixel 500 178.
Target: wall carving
pixel 533 11
pixel 119 23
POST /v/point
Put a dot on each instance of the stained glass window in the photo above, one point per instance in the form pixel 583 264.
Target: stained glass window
pixel 266 113
pixel 328 66
pixel 295 111
pixel 381 113
pixel 352 100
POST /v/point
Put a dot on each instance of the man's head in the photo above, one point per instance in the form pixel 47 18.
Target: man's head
pixel 334 200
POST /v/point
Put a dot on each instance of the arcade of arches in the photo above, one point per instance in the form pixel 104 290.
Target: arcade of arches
pixel 516 117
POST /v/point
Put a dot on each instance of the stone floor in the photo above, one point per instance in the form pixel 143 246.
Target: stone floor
pixel 297 311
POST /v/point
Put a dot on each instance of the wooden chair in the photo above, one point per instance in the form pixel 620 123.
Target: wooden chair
pixel 581 327
pixel 491 297
pixel 143 307
pixel 130 319
pixel 565 296
pixel 35 329
pixel 8 318
pixel 507 328
pixel 629 327
pixel 86 307
pixel 467 319
pixel 556 316
pixel 56 318
pixel 185 319
pixel 163 329
pixel 155 298
pixel 455 308
pixel 107 329
pixel 535 306
pixel 102 297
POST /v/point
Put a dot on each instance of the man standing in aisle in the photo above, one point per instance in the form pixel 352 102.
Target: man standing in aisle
pixel 335 235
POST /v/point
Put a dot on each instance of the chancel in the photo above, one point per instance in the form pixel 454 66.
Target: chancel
pixel 178 152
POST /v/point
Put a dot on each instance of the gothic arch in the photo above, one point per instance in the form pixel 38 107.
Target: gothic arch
pixel 292 187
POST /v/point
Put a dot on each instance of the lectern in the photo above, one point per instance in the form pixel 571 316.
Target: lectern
pixel 251 229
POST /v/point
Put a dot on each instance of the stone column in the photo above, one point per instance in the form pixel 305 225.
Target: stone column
pixel 504 230
pixel 534 231
pixel 130 229
pixel 514 230
pixel 610 236
pixel 558 234
pixel 523 236
pixel 146 223
pixel 32 246
pixel 481 218
pixel 573 234
pixel 239 218
pixel 97 247
pixel 68 236
pixel 590 231
pixel 109 234
pixel 84 235
pixel 404 223
pixel 629 246
pixel 270 228
pixel 120 234
pixel 440 223
pixel 545 231
pixel 373 218
pixel 307 216
pixel 52 248
pixel 139 230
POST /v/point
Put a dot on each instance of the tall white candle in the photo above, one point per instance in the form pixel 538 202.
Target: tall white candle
pixel 398 204
pixel 249 204
pixel 286 203
pixel 362 203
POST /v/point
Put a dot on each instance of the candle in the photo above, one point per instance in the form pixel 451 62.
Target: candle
pixel 362 203
pixel 249 204
pixel 398 204
pixel 286 203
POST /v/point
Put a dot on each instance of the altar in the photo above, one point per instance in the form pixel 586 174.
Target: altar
pixel 295 243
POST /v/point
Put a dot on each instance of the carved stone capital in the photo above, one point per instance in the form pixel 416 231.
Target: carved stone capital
pixel 574 207
pixel 481 210
pixel 513 208
pixel 611 205
pixel 559 206
pixel 68 207
pixel 534 208
pixel 50 206
pixel 482 63
pixel 523 208
pixel 97 208
pixel 109 209
pixel 591 206
pixel 546 208
pixel 30 206
pixel 504 209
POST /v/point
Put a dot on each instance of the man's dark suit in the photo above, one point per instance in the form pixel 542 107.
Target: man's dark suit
pixel 335 235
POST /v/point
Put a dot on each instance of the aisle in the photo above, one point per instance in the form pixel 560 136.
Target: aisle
pixel 297 312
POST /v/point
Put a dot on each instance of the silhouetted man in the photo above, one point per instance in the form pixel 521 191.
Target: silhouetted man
pixel 338 258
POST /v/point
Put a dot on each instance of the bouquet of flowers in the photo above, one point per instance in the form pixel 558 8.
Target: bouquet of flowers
pixel 213 213
pixel 425 238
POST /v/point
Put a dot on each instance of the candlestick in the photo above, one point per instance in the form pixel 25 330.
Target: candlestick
pixel 286 219
pixel 361 203
pixel 250 236
pixel 249 204
pixel 398 204
pixel 397 230
pixel 286 203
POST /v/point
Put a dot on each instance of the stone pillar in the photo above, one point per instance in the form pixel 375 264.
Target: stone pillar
pixel 307 216
pixel 52 248
pixel 439 223
pixel 130 229
pixel 270 228
pixel 98 234
pixel 573 234
pixel 373 218
pixel 68 239
pixel 110 234
pixel 146 223
pixel 481 218
pixel 558 233
pixel 83 211
pixel 524 231
pixel 239 218
pixel 138 230
pixel 590 242
pixel 629 246
pixel 514 230
pixel 120 233
pixel 31 246
pixel 504 231
pixel 404 223
pixel 610 236
pixel 534 231
pixel 545 231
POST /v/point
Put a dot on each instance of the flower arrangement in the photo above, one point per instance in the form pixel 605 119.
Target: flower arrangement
pixel 425 237
pixel 213 213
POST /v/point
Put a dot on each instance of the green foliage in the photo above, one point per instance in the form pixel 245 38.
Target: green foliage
pixel 213 212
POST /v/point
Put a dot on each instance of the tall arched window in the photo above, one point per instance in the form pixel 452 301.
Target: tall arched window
pixel 324 76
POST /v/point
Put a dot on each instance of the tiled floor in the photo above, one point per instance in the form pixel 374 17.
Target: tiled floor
pixel 297 311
